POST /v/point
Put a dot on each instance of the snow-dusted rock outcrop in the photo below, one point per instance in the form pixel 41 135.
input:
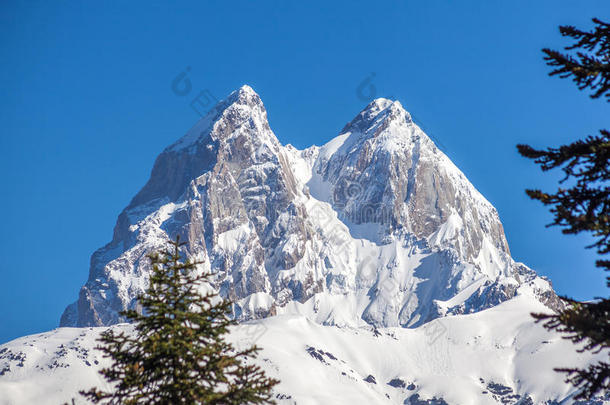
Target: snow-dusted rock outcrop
pixel 377 226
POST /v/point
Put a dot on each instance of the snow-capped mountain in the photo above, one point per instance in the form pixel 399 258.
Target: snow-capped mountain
pixel 369 270
pixel 375 227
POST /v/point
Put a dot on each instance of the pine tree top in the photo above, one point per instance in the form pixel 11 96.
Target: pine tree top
pixel 589 66
pixel 178 353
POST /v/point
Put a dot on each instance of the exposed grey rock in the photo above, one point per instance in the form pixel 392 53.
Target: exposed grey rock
pixel 505 395
pixel 415 400
pixel 397 383
pixel 370 379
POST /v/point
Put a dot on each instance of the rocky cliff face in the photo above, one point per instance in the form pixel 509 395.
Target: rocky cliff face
pixel 376 226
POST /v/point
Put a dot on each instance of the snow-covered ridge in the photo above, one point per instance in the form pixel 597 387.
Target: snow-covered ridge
pixel 376 227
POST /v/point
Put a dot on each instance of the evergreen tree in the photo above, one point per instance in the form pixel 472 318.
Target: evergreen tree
pixel 177 353
pixel 584 206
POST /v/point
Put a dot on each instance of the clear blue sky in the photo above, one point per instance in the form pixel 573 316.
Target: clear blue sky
pixel 87 105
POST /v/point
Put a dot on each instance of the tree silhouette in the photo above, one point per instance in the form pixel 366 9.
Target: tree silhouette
pixel 584 206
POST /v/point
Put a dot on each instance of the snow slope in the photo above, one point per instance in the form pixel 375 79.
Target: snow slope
pixel 496 356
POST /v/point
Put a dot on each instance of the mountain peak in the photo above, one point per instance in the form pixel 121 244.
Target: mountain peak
pixel 246 90
pixel 379 104
pixel 244 95
pixel 378 111
pixel 239 106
